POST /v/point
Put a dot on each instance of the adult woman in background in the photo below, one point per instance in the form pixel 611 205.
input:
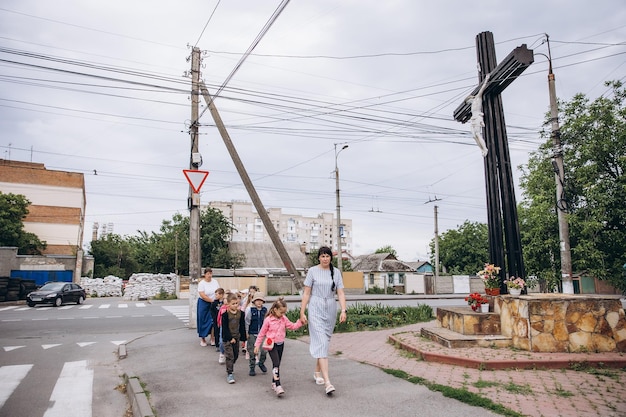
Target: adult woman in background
pixel 206 295
pixel 321 283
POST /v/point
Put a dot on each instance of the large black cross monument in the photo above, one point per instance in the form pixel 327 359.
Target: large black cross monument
pixel 505 246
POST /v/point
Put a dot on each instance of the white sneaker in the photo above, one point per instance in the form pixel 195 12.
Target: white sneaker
pixel 222 359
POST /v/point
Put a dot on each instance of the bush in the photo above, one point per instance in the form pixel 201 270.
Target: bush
pixel 363 316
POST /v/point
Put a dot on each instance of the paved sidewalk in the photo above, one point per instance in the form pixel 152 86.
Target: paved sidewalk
pixel 587 391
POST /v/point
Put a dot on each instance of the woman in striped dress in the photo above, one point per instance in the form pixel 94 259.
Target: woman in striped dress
pixel 321 283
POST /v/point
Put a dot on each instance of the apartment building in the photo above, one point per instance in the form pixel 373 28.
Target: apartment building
pixel 313 232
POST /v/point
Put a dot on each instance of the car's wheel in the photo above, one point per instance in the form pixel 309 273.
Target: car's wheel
pixel 31 304
pixel 80 299
pixel 58 301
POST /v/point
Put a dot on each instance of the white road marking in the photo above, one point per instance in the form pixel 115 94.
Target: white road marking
pixel 10 378
pixel 72 394
pixel 7 308
pixel 105 306
pixel 10 348
pixel 50 346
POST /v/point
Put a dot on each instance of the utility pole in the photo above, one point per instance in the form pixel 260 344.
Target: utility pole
pixel 436 249
pixel 338 233
pixel 193 201
pixel 559 176
pixel 436 243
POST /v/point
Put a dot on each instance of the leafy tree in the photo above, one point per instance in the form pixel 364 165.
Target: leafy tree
pixel 593 138
pixel 387 249
pixel 465 250
pixel 113 255
pixel 13 210
pixel 167 250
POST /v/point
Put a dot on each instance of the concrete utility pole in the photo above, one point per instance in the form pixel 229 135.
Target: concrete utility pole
pixel 193 201
pixel 194 198
pixel 559 176
pixel 436 247
pixel 338 234
pixel 258 205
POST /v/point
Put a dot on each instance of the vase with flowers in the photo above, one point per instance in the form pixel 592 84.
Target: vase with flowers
pixel 515 285
pixel 475 300
pixel 490 277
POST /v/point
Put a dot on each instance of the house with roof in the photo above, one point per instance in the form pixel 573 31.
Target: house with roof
pixel 383 270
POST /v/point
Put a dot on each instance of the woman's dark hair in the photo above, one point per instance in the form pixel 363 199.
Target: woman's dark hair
pixel 325 250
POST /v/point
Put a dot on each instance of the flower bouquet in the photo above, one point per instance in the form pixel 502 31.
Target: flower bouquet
pixel 517 283
pixel 474 300
pixel 489 275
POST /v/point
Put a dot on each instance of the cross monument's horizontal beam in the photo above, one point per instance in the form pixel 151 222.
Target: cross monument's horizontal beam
pixel 504 74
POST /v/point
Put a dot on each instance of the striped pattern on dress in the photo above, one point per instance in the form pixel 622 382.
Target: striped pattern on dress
pixel 322 308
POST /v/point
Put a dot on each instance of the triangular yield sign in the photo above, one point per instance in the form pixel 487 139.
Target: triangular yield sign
pixel 195 178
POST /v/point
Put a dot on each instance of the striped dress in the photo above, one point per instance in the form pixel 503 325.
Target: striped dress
pixel 322 308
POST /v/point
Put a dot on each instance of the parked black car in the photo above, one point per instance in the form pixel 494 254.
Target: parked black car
pixel 57 293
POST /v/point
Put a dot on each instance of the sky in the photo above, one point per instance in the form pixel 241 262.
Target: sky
pixel 103 88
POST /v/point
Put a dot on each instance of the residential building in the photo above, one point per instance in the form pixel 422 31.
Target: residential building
pixel 312 232
pixel 383 270
pixel 57 210
pixel 56 215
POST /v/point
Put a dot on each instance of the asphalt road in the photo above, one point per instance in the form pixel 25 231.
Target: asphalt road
pixel 63 361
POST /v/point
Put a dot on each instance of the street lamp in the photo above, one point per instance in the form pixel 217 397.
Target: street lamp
pixel 338 233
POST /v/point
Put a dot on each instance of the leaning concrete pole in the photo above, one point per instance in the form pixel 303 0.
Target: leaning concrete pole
pixel 258 205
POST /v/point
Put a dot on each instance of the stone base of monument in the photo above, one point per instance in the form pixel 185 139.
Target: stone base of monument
pixel 537 323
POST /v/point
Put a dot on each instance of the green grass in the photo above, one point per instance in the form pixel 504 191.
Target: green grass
pixel 462 395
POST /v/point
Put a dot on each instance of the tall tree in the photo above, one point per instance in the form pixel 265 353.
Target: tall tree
pixel 465 250
pixel 593 137
pixel 13 211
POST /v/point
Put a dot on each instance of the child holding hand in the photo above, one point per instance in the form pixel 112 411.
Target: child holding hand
pixel 275 328
pixel 233 333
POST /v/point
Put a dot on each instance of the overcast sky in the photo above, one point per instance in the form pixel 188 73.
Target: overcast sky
pixel 100 87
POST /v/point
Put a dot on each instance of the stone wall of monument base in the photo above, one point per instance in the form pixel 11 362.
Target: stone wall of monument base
pixel 563 322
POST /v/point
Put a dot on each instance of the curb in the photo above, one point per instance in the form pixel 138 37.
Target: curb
pixel 138 398
pixel 498 364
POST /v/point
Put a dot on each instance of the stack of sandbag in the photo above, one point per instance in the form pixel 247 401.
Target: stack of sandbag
pixel 109 286
pixel 145 286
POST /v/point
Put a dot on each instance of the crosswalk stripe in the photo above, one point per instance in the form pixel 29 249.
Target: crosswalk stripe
pixel 7 308
pixel 105 306
pixel 10 378
pixel 73 392
pixel 181 312
pixel 85 307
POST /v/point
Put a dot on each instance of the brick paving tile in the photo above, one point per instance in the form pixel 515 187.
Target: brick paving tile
pixel 537 391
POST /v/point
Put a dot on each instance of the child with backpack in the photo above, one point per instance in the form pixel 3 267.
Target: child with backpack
pixel 233 333
pixel 255 314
